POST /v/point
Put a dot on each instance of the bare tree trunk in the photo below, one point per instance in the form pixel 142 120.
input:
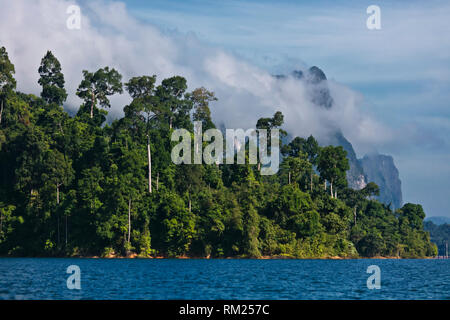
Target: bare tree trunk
pixel 325 185
pixel 189 197
pixel 157 181
pixel 1 111
pixel 170 123
pixel 354 214
pixel 149 156
pixel 57 202
pixel 66 229
pixel 92 105
pixel 446 249
pixel 289 177
pixel 129 220
pixel 57 220
pixel 331 188
pixel 335 194
pixel 57 192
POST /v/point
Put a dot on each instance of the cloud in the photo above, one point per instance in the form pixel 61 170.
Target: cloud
pixel 110 36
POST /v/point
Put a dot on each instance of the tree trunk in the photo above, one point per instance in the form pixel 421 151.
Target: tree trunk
pixel 129 220
pixel 289 177
pixel 331 188
pixel 57 202
pixel 325 185
pixel 335 194
pixel 170 123
pixel 149 156
pixel 92 105
pixel 157 181
pixel 57 193
pixel 354 214
pixel 446 249
pixel 311 176
pixel 1 111
pixel 57 221
pixel 66 229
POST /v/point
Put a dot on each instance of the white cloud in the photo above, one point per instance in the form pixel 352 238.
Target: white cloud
pixel 110 36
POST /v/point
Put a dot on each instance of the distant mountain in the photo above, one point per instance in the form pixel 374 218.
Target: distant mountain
pixel 377 168
pixel 381 169
pixel 438 220
pixel 355 176
pixel 319 92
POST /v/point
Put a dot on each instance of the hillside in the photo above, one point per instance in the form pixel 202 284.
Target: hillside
pixel 77 186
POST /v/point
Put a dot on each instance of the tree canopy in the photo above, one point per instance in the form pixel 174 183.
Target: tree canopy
pixel 80 186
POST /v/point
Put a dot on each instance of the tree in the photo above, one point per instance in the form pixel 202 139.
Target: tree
pixel 7 81
pixel 173 225
pixel 332 164
pixel 141 89
pixel 251 232
pixel 298 169
pixel 96 87
pixel 131 173
pixel 60 171
pixel 272 123
pixel 176 107
pixel 201 98
pixel 268 124
pixel 352 198
pixel 52 80
pixel 372 244
pixel 370 190
pixel 309 146
pixel 5 220
pixel 412 215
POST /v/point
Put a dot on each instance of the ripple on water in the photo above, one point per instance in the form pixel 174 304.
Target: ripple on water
pixel 223 279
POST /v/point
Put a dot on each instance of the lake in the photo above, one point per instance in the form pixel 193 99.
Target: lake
pixel 46 278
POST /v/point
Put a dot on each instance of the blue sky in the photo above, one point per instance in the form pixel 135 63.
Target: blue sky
pixel 401 70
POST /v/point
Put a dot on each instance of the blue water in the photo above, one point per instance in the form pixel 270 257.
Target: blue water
pixel 33 278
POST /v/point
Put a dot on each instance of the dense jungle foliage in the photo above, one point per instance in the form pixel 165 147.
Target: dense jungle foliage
pixel 79 186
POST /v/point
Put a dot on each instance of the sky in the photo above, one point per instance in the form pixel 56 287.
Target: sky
pixel 391 86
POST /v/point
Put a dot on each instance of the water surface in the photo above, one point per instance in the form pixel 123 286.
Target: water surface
pixel 46 278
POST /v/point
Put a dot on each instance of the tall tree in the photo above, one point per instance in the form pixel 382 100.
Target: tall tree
pixel 7 81
pixel 333 165
pixel 201 98
pixel 141 89
pixel 52 80
pixel 308 146
pixel 298 169
pixel 171 93
pixel 269 124
pixel 97 86
pixel 312 149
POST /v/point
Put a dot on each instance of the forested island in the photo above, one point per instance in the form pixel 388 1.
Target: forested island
pixel 79 186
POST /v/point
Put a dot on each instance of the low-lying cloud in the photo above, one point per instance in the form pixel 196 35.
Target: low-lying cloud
pixel 110 36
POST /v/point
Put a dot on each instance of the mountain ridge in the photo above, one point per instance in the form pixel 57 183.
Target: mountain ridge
pixel 376 167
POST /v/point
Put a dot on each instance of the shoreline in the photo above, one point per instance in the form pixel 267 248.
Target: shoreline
pixel 135 256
